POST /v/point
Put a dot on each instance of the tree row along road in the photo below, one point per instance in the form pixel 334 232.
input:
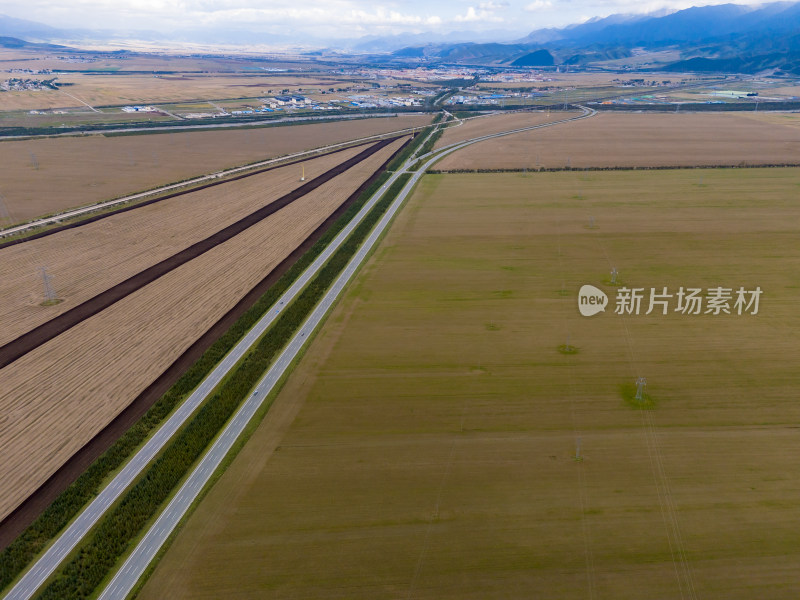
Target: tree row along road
pixel 103 205
pixel 45 332
pixel 125 579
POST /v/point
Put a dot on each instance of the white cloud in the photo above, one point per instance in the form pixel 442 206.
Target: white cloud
pixel 539 5
pixel 478 15
pixel 493 5
pixel 329 18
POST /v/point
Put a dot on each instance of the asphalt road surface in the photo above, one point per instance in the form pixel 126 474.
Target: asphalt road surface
pixel 127 576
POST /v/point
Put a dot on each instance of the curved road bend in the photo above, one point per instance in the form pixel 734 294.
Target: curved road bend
pixel 137 562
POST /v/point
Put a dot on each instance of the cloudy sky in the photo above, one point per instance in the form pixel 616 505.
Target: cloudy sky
pixel 331 18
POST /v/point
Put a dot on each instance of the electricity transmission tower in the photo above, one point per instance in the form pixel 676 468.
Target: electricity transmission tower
pixel 49 293
pixel 640 384
pixel 4 214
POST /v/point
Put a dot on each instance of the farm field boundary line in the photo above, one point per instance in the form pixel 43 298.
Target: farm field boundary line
pixel 137 562
pixel 700 107
pixel 16 521
pixel 314 152
pixel 191 390
pixel 49 330
pixel 643 168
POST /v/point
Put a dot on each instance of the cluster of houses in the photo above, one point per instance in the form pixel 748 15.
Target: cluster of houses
pixel 288 101
pixel 31 71
pixel 20 84
pixel 370 101
pixel 490 99
pixel 138 108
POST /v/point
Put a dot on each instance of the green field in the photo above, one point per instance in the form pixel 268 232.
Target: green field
pixel 425 446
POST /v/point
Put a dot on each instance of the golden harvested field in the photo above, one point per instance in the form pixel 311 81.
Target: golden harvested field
pixel 791 91
pixel 479 126
pixel 90 259
pixel 512 85
pixel 38 59
pixel 425 445
pixel 580 80
pixel 77 171
pixel 787 119
pixel 100 90
pixel 146 60
pixel 60 395
pixel 636 139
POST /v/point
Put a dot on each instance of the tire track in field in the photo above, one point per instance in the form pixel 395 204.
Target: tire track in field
pixel 669 510
pixel 583 496
pixel 42 334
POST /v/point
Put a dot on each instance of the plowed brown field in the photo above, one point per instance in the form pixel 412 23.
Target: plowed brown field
pixel 115 248
pixel 95 369
pixel 78 171
pixel 636 139
pixel 495 123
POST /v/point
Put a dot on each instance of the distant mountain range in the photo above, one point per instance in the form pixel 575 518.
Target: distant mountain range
pixel 11 42
pixel 728 38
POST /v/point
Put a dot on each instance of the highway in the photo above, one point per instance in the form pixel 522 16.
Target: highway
pixel 127 576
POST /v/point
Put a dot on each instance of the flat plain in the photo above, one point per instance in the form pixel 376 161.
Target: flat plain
pixel 45 176
pixel 94 370
pixel 425 446
pixel 638 139
pixel 103 90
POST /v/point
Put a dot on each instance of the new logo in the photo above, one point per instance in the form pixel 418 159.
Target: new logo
pixel 591 300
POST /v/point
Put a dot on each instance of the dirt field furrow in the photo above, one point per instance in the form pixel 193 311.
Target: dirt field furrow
pixel 117 248
pixel 95 369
